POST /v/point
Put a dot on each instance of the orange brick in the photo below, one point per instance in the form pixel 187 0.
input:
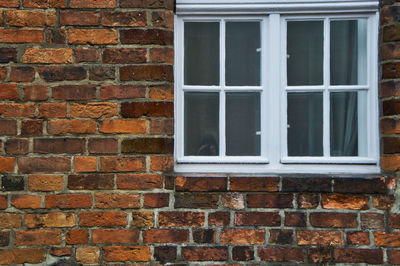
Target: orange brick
pixel 26 201
pixel 165 236
pixel 115 236
pixel 117 200
pixel 334 238
pixel 53 110
pixel 384 239
pixel 47 56
pixel 344 201
pixel 106 219
pixel 45 182
pixel 40 237
pixel 3 202
pixel 92 36
pixel 88 255
pixel 53 219
pixel 36 93
pixel 21 36
pixel 17 110
pixel 85 163
pixel 61 127
pixel 77 237
pixel 242 236
pixel 123 126
pixel 122 164
pixel 7 164
pixel 68 201
pixel 162 55
pixel 161 163
pixel 94 110
pixel 44 3
pixel 390 163
pixel 10 220
pixel 23 255
pixel 139 181
pixel 165 92
pixel 29 18
pixel 92 3
pixel 9 3
pixel 126 253
pixel 8 92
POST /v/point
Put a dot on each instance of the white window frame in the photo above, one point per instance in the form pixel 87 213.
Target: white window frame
pixel 273 18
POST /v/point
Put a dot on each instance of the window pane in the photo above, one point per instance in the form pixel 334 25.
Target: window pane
pixel 243 123
pixel 349 52
pixel 305 53
pixel 305 114
pixel 348 123
pixel 243 53
pixel 201 53
pixel 201 123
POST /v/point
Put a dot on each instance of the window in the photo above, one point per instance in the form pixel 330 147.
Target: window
pixel 276 92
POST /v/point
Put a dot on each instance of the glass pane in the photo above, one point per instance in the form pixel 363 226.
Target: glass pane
pixel 243 53
pixel 305 114
pixel 305 53
pixel 202 123
pixel 348 123
pixel 201 53
pixel 349 52
pixel 243 123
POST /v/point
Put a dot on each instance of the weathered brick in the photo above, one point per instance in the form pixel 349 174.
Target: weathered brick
pixel 163 19
pixel 94 110
pixel 77 237
pixel 8 127
pixel 56 36
pixel 390 14
pixel 40 237
pixel 204 235
pixel 147 36
pixel 384 239
pixel 162 126
pixel 47 56
pixel 59 145
pixel 296 219
pixel 306 184
pixel 270 200
pixel 52 110
pixel 393 256
pixel 196 201
pixel 383 202
pixel 12 183
pixel 79 18
pixel 280 237
pixel 106 219
pixel 22 74
pixel 17 110
pixel 254 183
pixel 151 236
pixel 92 4
pixel 8 55
pixel 147 72
pixel 61 252
pixel 330 219
pixel 26 201
pixel 123 126
pixel 92 36
pixel 21 36
pixel 103 145
pixel 391 33
pixel 281 254
pixel 124 18
pixel 138 109
pixel 61 127
pixel 200 183
pixel 333 238
pixel 10 220
pixel 126 253
pixel 115 236
pixel 117 200
pixel 32 127
pixel 394 221
pixel 148 145
pixel 74 92
pixel 257 219
pixel 168 4
pixel 219 218
pixel 321 254
pixel 101 73
pixel 53 219
pixel 156 200
pixel 124 56
pixel 390 163
pixel 122 164
pixel 357 238
pixel 360 185
pixel 165 253
pixel 88 255
pixel 31 18
pixel 165 92
pixel 372 221
pixel 4 239
pixel 389 51
pixel 391 145
pixel 60 73
pixel 204 253
pixel 3 202
pixel 242 236
pixel 7 165
pixel 243 253
pixel 3 73
pixel 142 219
pixel 122 92
pixel 36 93
pixel 179 219
pixel 344 201
pixel 91 181
pixel 9 3
pixel 161 163
pixel 16 146
pixel 44 3
pixel 22 255
pixel 139 181
pixel 68 201
pixel 85 164
pixel 353 255
pixel 8 92
pixel 86 55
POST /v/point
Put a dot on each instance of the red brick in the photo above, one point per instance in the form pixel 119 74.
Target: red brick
pixel 179 219
pixel 383 202
pixel 257 219
pixel 148 145
pixel 120 200
pixel 168 4
pixel 36 93
pixel 91 181
pixel 124 56
pixel 161 163
pixel 86 55
pixel 26 201
pixel 21 36
pixel 269 200
pixel 59 145
pixel 124 18
pixel 344 201
pixel 68 201
pixel 243 253
pixel 394 221
pixel 156 200
pixel 94 110
pixel 139 181
pixel 138 109
pixel 393 256
pixel 142 219
pixel 8 92
pixel 162 55
pixel 22 255
pixel 77 237
pixel 254 184
pixel 61 252
pixel 3 73
pixel 115 236
pixel 85 164
pixel 204 253
pixel 9 3
pixel 333 238
pixel 16 146
pixel 126 253
pixel 147 73
pixel 39 237
pixel 196 201
pixel 101 73
pixel 10 220
pixel 204 235
pixel 297 219
pixel 122 164
pixel 22 74
pixel 61 127
pixel 122 92
pixel 92 4
pixel 281 254
pixel 92 36
pixel 242 236
pixel 330 219
pixel 53 219
pixel 79 18
pixel 8 127
pixel 55 36
pixel 384 239
pixel 30 18
pixel 219 218
pixel 32 127
pixel 353 255
pixel 74 92
pixel 280 237
pixel 3 202
pixel 7 164
pixel 390 163
pixel 47 56
pixel 165 236
pixel 165 92
pixel 391 33
pixel 44 3
pixel 163 19
pixel 103 146
pixel 162 127
pixel 146 36
pixel 17 110
pixel 123 126
pixel 372 221
pixel 106 219
pixel 357 238
pixel 52 110
pixel 200 183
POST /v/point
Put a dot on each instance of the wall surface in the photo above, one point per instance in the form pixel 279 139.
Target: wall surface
pixel 86 144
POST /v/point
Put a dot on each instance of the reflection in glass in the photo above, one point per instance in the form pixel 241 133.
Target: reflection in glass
pixel 201 53
pixel 243 50
pixel 349 52
pixel 305 53
pixel 348 124
pixel 202 123
pixel 243 123
pixel 305 127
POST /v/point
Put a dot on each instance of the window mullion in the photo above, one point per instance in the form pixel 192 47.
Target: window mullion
pixel 326 99
pixel 222 101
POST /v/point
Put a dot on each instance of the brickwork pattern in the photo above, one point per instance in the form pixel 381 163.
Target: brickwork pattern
pixel 86 164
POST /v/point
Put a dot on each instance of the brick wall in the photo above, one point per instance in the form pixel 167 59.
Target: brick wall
pixel 86 126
